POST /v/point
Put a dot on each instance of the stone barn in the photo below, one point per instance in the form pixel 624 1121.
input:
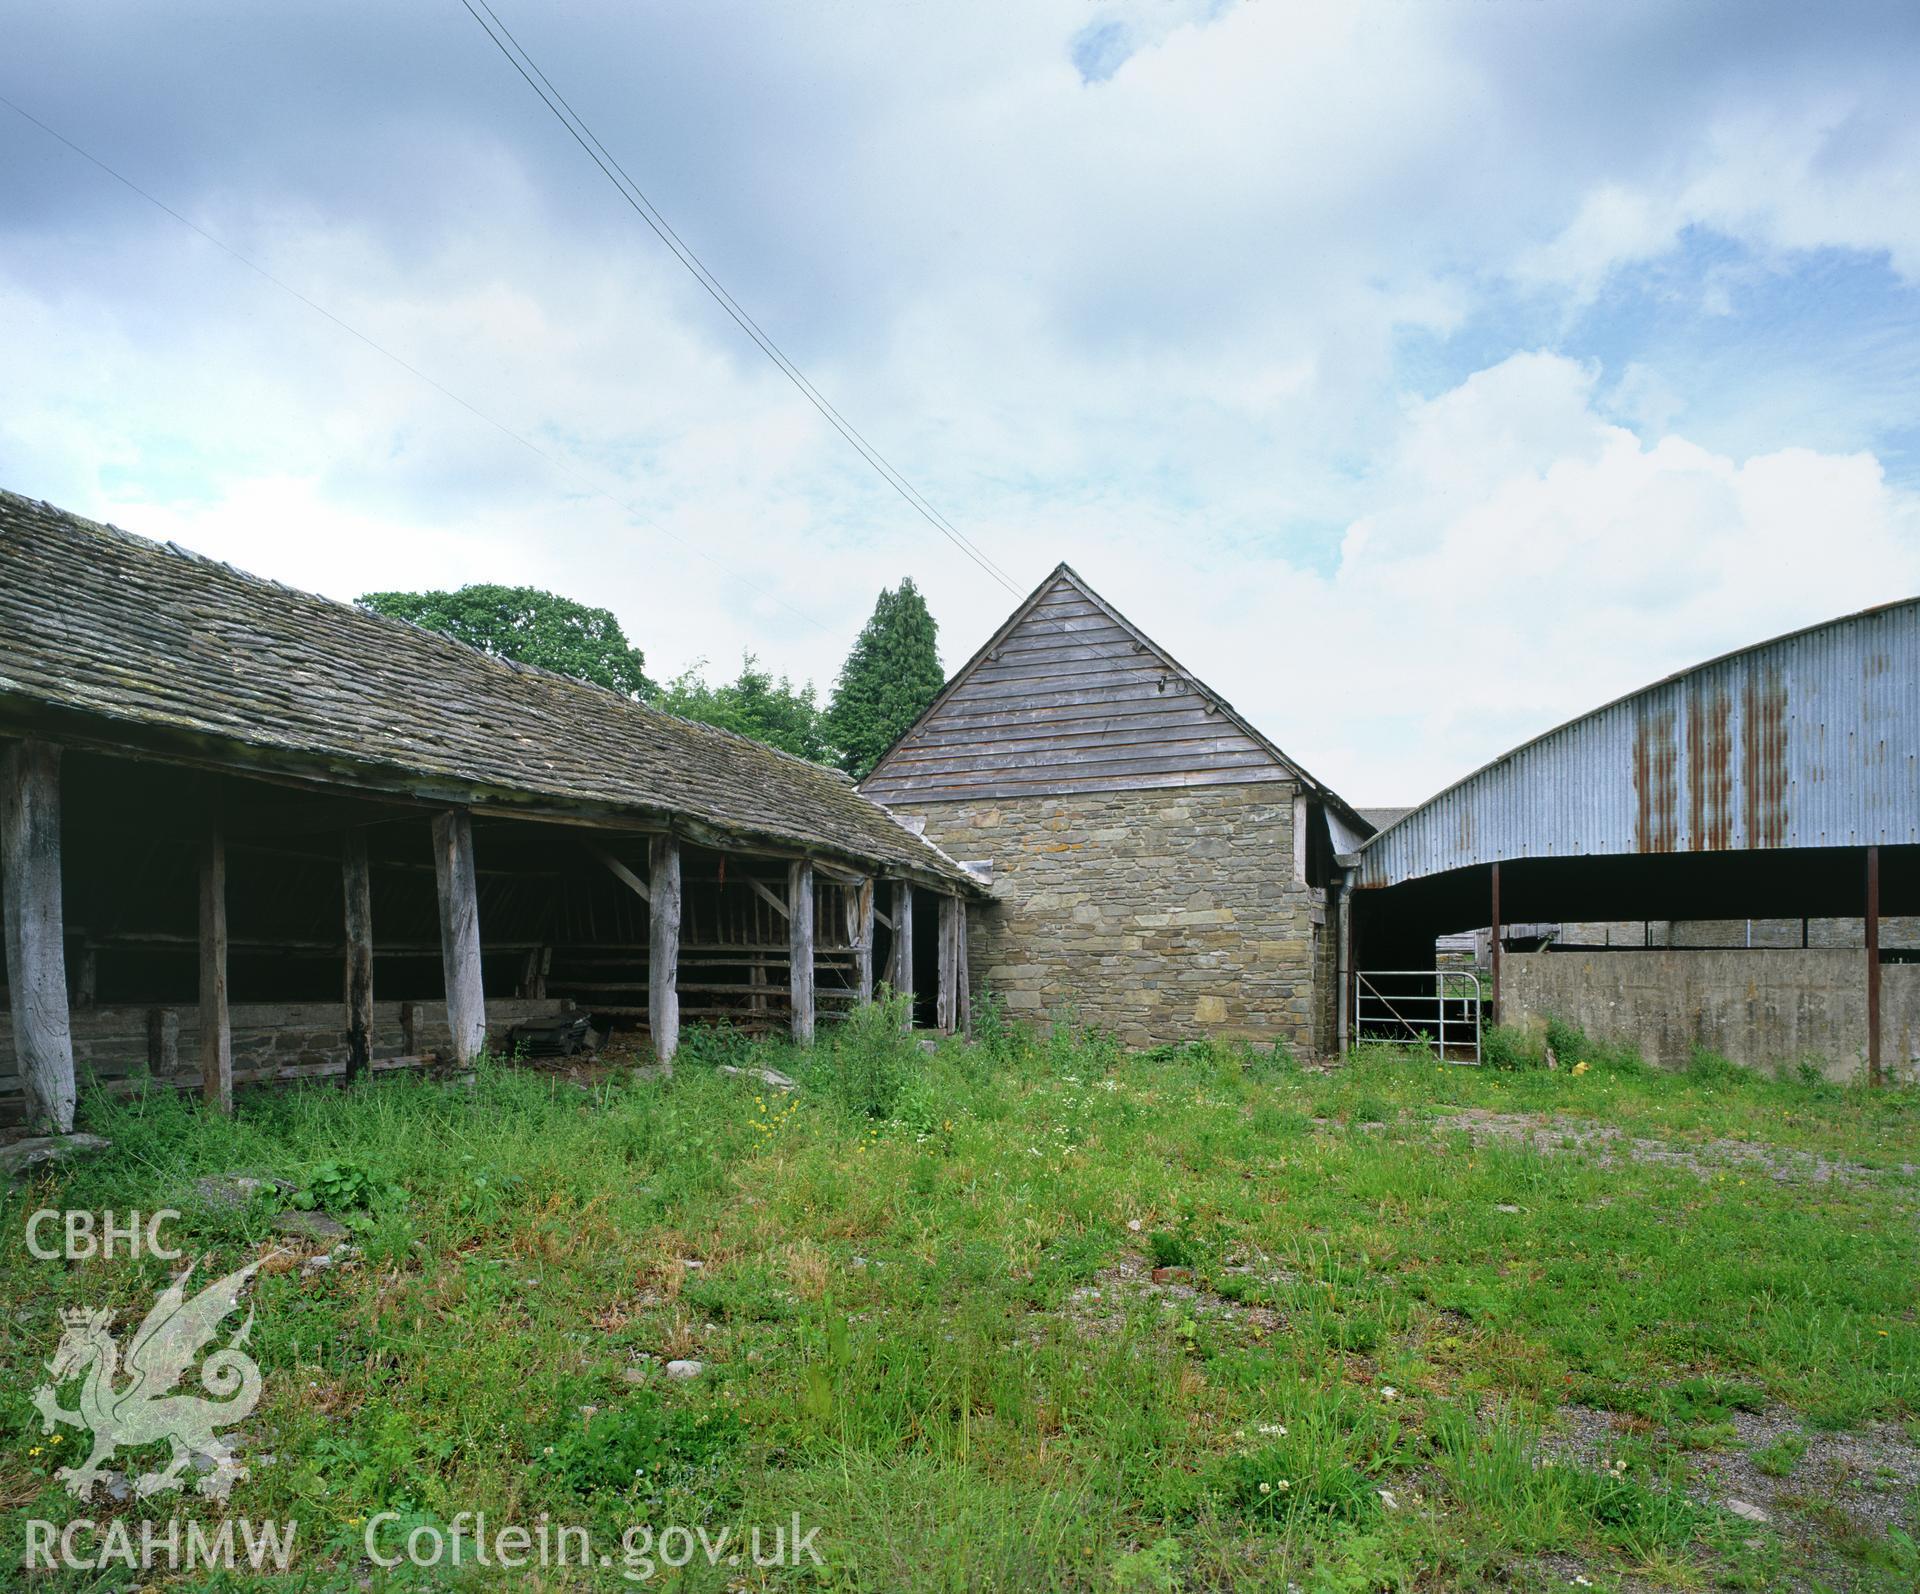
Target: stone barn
pixel 1159 868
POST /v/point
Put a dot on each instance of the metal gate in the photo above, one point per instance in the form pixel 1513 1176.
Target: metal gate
pixel 1438 1008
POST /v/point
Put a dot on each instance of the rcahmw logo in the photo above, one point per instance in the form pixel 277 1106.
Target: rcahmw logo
pixel 83 1545
pixel 129 1406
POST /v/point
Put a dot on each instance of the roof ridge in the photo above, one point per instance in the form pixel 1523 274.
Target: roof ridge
pixel 520 666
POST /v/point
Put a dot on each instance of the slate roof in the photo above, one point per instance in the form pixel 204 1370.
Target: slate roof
pixel 176 650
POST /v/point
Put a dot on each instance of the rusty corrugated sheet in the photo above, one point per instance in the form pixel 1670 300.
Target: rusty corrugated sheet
pixel 1809 740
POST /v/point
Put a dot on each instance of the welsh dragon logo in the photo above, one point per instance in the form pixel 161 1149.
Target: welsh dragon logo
pixel 145 1410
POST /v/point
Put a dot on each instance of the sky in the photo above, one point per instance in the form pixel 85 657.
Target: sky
pixel 1420 373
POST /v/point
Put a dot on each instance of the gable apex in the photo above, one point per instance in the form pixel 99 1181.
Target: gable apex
pixel 1068 694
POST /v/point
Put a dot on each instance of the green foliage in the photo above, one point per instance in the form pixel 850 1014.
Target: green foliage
pixel 866 1060
pixel 345 1187
pixel 1154 1570
pixel 530 627
pixel 638 1446
pixel 754 704
pixel 1172 1247
pixel 1710 1068
pixel 1508 1047
pixel 889 678
pixel 1567 1041
pixel 918 1284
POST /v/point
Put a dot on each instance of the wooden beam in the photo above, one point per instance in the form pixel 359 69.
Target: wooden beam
pixel 36 955
pixel 863 917
pixel 767 896
pixel 800 940
pixel 1874 1076
pixel 903 944
pixel 458 891
pixel 625 875
pixel 663 948
pixel 216 1032
pixel 356 891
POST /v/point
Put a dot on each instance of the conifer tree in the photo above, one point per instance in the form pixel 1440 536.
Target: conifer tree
pixel 889 678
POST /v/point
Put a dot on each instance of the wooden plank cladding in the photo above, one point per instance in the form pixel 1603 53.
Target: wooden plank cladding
pixel 1069 697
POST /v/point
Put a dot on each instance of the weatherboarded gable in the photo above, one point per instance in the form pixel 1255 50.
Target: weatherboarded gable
pixel 1069 697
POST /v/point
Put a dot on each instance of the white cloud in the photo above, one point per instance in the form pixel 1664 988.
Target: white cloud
pixel 1152 323
pixel 1522 560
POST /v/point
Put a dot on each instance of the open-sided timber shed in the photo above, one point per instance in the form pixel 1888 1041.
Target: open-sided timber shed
pixel 232 813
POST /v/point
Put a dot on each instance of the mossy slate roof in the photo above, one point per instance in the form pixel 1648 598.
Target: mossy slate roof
pixel 177 648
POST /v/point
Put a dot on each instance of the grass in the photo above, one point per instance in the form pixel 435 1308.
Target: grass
pixel 920 1289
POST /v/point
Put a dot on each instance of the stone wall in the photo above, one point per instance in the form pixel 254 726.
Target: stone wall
pixel 270 1039
pixel 1154 915
pixel 1767 1008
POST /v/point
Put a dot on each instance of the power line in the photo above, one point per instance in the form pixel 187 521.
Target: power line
pixel 537 80
pixel 523 62
pixel 412 370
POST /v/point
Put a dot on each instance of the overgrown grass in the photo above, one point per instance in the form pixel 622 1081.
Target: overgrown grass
pixel 889 1277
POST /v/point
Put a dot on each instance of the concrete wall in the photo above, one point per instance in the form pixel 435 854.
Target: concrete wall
pixel 1155 915
pixel 1896 931
pixel 1766 1008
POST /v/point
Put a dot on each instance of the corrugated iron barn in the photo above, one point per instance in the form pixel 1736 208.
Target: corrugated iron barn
pixel 248 833
pixel 1781 781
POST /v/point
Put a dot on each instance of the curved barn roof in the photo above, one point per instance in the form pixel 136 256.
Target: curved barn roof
pixel 1807 740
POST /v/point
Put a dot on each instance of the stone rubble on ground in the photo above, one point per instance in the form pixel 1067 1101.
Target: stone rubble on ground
pixel 310 1225
pixel 17 1158
pixel 772 1078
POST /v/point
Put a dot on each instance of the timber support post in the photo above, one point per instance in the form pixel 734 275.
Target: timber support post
pixel 458 890
pixel 863 942
pixel 36 955
pixel 216 1031
pixel 663 947
pixel 800 944
pixel 903 944
pixel 1873 966
pixel 356 890
pixel 947 996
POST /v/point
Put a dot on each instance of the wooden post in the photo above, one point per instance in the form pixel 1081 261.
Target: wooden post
pixel 663 947
pixel 863 942
pixel 356 890
pixel 216 1034
pixel 459 894
pixel 163 1042
pixel 36 955
pixel 903 944
pixel 946 1008
pixel 1495 953
pixel 962 991
pixel 800 941
pixel 1873 966
pixel 86 979
pixel 410 1017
